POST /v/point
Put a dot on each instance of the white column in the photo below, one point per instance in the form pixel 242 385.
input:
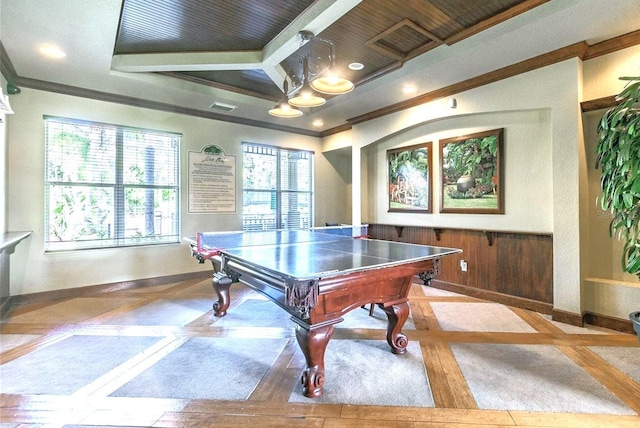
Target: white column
pixel 4 258
pixel 3 173
pixel 356 185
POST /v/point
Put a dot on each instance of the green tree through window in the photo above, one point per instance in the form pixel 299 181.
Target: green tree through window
pixel 109 186
pixel 277 188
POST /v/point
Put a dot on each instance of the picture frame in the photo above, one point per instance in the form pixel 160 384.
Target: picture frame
pixel 409 173
pixel 472 177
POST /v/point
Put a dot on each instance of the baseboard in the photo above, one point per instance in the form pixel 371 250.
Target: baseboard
pixel 567 317
pixel 606 321
pixel 69 293
pixel 598 320
pixel 505 299
pixel 5 304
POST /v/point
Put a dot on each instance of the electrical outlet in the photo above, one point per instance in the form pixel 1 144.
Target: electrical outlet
pixel 463 265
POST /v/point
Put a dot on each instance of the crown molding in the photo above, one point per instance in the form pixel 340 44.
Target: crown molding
pixel 581 50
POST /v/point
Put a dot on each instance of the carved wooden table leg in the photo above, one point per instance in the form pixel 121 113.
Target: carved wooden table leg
pixel 313 344
pixel 397 316
pixel 221 284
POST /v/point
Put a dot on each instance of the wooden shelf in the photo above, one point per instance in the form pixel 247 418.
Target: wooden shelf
pixel 440 229
pixel 608 281
pixel 491 235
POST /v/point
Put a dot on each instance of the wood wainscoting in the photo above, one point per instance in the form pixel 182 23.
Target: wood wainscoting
pixel 514 268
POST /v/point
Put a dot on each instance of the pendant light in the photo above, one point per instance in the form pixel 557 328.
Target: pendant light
pixel 283 108
pixel 309 87
pixel 330 83
pixel 306 96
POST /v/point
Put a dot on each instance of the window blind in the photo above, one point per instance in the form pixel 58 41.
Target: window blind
pixel 277 188
pixel 109 185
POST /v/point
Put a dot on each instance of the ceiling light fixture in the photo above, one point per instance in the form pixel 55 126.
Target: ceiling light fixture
pixel 308 87
pixel 409 89
pixel 283 108
pixel 331 83
pixel 52 51
pixel 306 96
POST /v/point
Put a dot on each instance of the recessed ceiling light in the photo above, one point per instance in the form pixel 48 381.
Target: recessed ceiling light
pixel 409 89
pixel 356 66
pixel 318 123
pixel 52 51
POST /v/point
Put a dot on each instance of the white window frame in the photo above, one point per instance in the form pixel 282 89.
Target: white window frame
pixel 161 226
pixel 283 189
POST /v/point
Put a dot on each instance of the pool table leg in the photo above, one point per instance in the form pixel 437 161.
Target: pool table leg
pixel 221 285
pixel 397 315
pixel 313 344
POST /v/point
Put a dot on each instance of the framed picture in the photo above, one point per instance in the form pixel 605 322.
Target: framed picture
pixel 409 172
pixel 472 177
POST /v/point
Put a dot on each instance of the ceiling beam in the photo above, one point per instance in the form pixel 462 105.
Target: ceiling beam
pixel 315 18
pixel 187 61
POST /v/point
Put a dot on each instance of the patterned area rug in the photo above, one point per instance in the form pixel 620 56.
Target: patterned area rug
pixel 207 368
pixel 228 358
pixel 532 378
pixel 70 364
pixel 365 372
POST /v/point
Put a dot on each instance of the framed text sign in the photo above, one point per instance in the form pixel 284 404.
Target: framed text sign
pixel 212 181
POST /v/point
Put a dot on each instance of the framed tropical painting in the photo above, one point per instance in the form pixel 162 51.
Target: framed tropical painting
pixel 409 172
pixel 472 178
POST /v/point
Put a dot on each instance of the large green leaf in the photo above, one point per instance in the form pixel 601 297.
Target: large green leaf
pixel 618 158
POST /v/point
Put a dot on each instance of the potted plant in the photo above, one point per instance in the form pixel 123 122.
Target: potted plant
pixel 618 157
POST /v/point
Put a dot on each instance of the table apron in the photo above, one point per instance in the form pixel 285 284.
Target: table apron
pixel 269 286
pixel 337 295
pixel 385 287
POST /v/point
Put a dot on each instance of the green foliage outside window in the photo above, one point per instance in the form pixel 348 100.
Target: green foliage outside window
pixel 109 186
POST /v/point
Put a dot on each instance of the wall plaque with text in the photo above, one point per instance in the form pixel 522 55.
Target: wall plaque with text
pixel 212 181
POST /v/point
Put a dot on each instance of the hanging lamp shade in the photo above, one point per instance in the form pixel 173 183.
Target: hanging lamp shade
pixel 332 85
pixel 309 87
pixel 283 108
pixel 306 96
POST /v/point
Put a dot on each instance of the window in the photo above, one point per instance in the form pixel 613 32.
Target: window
pixel 109 186
pixel 277 188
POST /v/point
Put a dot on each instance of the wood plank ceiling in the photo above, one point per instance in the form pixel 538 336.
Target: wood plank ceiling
pixel 380 34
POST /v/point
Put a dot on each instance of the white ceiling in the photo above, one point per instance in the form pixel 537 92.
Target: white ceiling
pixel 86 30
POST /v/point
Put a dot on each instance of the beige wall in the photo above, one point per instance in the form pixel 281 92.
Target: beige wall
pixel 602 74
pixel 540 113
pixel 527 190
pixel 549 175
pixel 548 171
pixel 602 79
pixel 607 288
pixel 32 270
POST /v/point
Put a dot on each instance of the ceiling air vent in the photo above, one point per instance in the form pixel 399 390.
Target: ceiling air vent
pixel 222 107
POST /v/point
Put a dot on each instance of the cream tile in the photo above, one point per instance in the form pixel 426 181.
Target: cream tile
pixel 72 311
